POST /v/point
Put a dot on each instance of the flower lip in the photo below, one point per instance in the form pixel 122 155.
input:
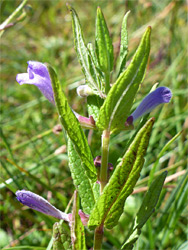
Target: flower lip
pixel 38 75
pixel 166 94
pixel 38 68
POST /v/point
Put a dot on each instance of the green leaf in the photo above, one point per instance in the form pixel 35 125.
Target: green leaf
pixel 146 209
pixel 118 103
pixel 61 237
pixel 72 126
pixel 132 239
pixel 84 56
pixel 81 180
pixel 110 204
pixel 94 103
pixel 124 43
pixel 150 200
pixel 77 228
pixel 172 210
pixel 104 47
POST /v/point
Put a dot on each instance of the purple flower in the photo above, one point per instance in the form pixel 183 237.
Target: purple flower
pixel 152 100
pixel 38 203
pixel 37 74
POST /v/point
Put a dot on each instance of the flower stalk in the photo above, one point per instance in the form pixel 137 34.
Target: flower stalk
pixel 99 231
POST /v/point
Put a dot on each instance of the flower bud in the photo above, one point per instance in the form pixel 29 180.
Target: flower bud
pixel 84 91
pixel 38 203
pixel 151 101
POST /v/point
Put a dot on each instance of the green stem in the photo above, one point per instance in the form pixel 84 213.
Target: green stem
pixel 104 161
pixel 9 19
pixel 99 231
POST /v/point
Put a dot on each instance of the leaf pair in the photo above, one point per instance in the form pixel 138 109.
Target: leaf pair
pixel 118 103
pixel 110 204
pixel 116 107
pixel 86 56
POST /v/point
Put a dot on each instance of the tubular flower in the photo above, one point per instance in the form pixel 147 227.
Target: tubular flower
pixel 152 100
pixel 38 203
pixel 37 74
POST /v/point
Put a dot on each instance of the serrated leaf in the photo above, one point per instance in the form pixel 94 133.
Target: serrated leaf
pixel 118 103
pixel 110 204
pixel 61 237
pixel 124 44
pixel 81 180
pixel 150 200
pixel 87 63
pixel 72 126
pixel 104 47
pixel 94 103
pixel 77 228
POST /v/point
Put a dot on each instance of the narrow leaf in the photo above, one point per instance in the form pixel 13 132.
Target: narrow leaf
pixel 81 180
pixel 110 204
pixel 77 228
pixel 88 65
pixel 150 200
pixel 124 44
pixel 93 54
pixel 72 126
pixel 172 209
pixel 118 103
pixel 146 209
pixel 104 47
pixel 132 239
pixel 61 237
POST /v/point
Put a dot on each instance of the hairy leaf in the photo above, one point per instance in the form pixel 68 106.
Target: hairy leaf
pixel 110 204
pixel 88 65
pixel 77 228
pixel 94 103
pixel 72 126
pixel 104 47
pixel 124 43
pixel 81 180
pixel 118 103
pixel 61 237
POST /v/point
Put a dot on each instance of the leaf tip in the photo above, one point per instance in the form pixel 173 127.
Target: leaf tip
pixel 165 173
pixel 149 29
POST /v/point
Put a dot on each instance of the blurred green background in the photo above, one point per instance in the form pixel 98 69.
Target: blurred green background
pixel 29 157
